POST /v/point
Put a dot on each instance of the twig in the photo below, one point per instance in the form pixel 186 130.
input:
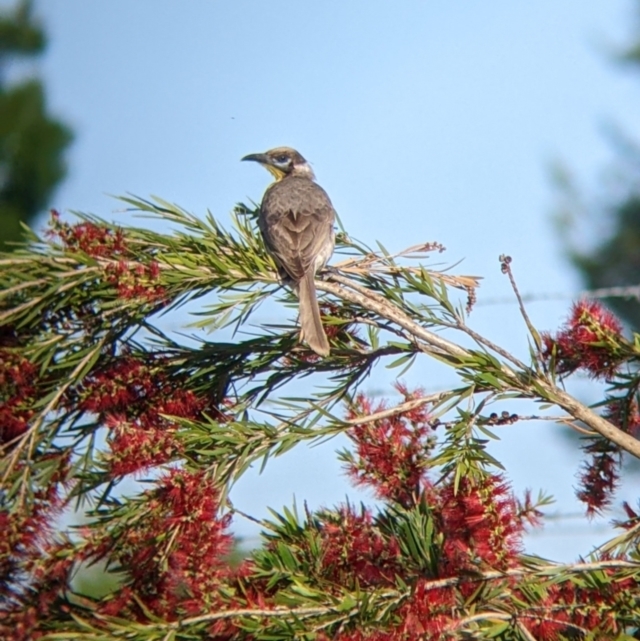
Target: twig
pixel 348 290
pixel 397 409
pixel 506 269
pixel 253 519
pixel 525 631
pixel 481 340
pixel 378 304
pixel 277 612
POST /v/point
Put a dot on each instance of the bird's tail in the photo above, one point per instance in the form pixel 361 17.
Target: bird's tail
pixel 310 322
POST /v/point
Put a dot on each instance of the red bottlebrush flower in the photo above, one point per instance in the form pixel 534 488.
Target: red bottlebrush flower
pixel 392 453
pixel 481 525
pixel 552 614
pixel 567 606
pixel 140 390
pixel 24 616
pixel 345 330
pixel 136 280
pixel 18 381
pixel 633 517
pixel 135 449
pixel 122 386
pixel 131 278
pixel 92 239
pixel 176 555
pixel 600 475
pixel 182 403
pixel 624 413
pixel 428 613
pixel 32 572
pixel 354 552
pixel 591 339
pixel 135 398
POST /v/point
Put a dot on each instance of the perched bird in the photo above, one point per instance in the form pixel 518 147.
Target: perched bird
pixel 296 220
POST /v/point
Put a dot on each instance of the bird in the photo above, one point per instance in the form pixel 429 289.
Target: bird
pixel 296 219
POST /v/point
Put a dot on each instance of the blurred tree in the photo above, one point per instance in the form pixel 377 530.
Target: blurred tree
pixel 613 261
pixel 32 143
pixel 616 261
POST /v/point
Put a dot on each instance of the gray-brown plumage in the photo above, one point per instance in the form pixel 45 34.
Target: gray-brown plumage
pixel 296 220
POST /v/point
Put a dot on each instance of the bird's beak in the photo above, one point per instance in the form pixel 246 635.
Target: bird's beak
pixel 267 163
pixel 263 159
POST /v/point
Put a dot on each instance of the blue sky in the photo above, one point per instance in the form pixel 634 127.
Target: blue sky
pixel 425 121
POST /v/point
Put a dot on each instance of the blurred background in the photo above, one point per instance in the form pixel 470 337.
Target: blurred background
pixel 493 128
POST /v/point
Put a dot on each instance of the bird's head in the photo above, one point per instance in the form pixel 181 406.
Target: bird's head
pixel 282 162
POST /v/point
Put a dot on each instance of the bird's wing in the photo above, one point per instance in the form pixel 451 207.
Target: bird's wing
pixel 296 220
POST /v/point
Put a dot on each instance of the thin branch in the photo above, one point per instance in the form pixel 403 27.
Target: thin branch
pixel 276 612
pixel 525 631
pixel 249 517
pixel 354 293
pixel 16 288
pixel 504 616
pixel 481 340
pixel 593 420
pixel 483 616
pixel 506 269
pixel 397 409
pixel 303 612
pixel 376 303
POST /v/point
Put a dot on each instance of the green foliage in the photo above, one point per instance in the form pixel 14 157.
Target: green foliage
pixel 32 142
pixel 95 389
pixel 608 262
pixel 20 34
pixel 612 265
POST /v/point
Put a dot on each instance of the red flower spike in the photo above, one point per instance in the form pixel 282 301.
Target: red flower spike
pixel 177 554
pixel 590 339
pixel 131 278
pixel 567 605
pixel 34 571
pixel 18 381
pixel 392 454
pixel 481 525
pixel 94 240
pixel 133 398
pixel 347 331
pixel 625 415
pixel 135 449
pixel 600 475
pixel 428 613
pixel 355 553
pixel 136 280
pixel 23 617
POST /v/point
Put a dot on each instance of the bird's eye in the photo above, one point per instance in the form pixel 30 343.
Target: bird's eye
pixel 282 160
